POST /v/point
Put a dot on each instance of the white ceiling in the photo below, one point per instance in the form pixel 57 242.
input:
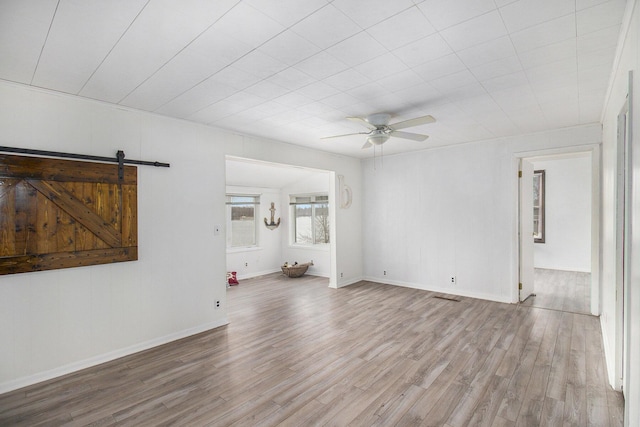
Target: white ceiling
pixel 252 173
pixel 292 70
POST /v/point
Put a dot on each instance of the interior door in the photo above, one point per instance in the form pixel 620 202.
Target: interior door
pixel 526 229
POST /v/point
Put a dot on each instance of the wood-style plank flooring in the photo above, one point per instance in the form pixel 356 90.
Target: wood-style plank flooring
pixel 297 353
pixel 561 290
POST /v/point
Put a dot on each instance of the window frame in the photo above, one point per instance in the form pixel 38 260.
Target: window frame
pixel 314 203
pixel 229 203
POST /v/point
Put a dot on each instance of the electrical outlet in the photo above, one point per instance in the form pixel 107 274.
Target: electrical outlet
pixel 341 274
pixel 217 303
pixel 384 272
pixel 246 264
pixel 453 279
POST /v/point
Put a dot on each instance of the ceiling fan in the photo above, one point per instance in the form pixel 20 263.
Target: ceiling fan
pixel 380 130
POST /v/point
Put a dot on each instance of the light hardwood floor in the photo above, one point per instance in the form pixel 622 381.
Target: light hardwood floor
pixel 561 290
pixel 297 353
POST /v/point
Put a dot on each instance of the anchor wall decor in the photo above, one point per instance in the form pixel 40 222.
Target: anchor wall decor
pixel 272 225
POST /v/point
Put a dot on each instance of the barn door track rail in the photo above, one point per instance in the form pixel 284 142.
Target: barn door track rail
pixel 119 159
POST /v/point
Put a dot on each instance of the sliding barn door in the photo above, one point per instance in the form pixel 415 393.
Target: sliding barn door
pixel 63 213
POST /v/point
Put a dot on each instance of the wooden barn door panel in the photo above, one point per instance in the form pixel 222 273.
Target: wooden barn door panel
pixel 62 213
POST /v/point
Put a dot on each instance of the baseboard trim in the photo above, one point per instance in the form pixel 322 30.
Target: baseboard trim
pixel 449 291
pixel 349 282
pixel 106 357
pixel 257 274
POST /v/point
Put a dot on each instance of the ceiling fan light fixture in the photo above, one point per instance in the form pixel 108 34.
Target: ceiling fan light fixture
pixel 378 138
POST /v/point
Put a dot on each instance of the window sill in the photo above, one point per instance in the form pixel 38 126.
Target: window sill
pixel 324 247
pixel 247 249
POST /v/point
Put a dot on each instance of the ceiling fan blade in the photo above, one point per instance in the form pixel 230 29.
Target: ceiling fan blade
pixel 362 121
pixel 413 122
pixel 346 134
pixel 409 135
pixel 367 145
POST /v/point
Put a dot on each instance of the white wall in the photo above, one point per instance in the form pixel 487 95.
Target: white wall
pixel 451 211
pixel 266 257
pixel 628 60
pixel 567 243
pixel 56 322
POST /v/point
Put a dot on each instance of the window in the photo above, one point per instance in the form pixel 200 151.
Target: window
pixel 241 220
pixel 538 206
pixel 310 219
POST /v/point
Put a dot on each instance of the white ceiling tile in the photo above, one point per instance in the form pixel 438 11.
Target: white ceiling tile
pixel 287 12
pixel 599 17
pixel 554 72
pixel 292 78
pixel 561 114
pixel 590 112
pixel 527 13
pixel 528 120
pixel 558 95
pixel 235 77
pixel 245 100
pixel 368 91
pixel 289 48
pixel 321 65
pixel 422 94
pixel 293 100
pixel 382 66
pixel 23 29
pixel 347 80
pixel 440 67
pixel 547 54
pixel 544 34
pixel 318 109
pixel 340 100
pixel 259 64
pixel 201 96
pixel 267 89
pixel 315 27
pixel 481 105
pixel 475 31
pixel 318 90
pixel 584 4
pixel 515 98
pixel 423 50
pixel 404 28
pixel 454 81
pixel 213 112
pixel 178 76
pixel 216 88
pixel 594 74
pixel 446 13
pixel 501 3
pixel 400 81
pixel 597 40
pixel 357 49
pixel 256 27
pixel 497 68
pixel 506 81
pixel 159 32
pixel 190 67
pixel 599 58
pixel 461 93
pixel 369 12
pixel 487 52
pixel 79 39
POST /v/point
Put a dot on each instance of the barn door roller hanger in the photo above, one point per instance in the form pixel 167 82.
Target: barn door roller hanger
pixel 119 159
